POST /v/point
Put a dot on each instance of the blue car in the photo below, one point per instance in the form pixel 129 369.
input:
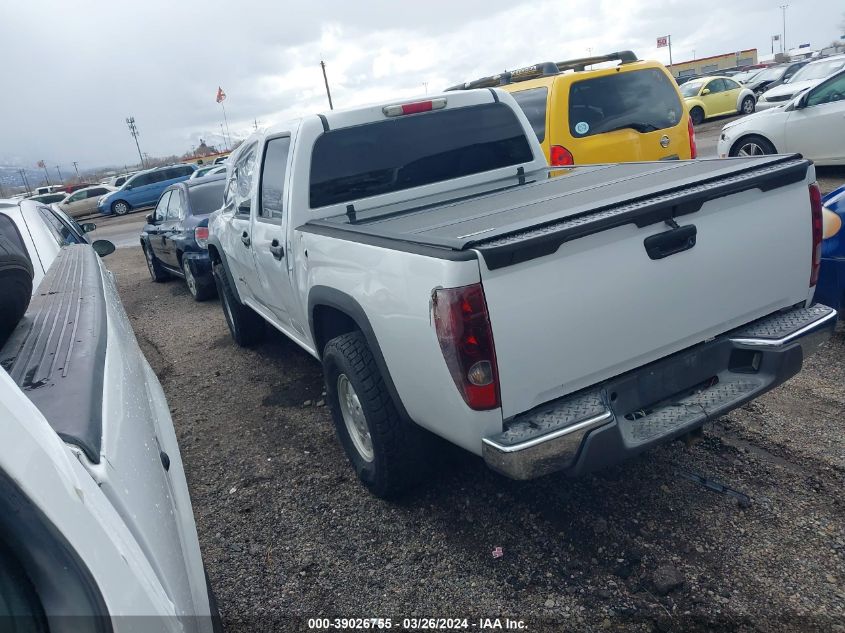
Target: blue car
pixel 830 289
pixel 143 189
pixel 175 238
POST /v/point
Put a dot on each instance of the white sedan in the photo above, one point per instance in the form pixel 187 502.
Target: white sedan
pixel 812 124
pixel 811 75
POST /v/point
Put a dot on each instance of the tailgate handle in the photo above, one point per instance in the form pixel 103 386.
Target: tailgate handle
pixel 670 242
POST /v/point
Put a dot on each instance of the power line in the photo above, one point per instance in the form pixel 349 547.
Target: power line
pixel 133 130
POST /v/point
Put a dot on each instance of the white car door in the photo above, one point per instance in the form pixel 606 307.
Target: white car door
pixel 817 128
pixel 269 230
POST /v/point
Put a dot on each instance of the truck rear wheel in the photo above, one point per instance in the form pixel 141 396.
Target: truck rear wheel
pixel 384 448
pixel 245 326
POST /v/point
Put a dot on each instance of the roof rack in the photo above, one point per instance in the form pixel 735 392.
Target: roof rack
pixel 544 69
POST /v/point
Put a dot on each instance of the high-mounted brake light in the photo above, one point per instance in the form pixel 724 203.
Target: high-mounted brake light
pixel 818 230
pixel 466 340
pixel 693 148
pixel 401 109
pixel 560 156
pixel 201 236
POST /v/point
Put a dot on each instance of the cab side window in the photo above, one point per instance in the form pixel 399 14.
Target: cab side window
pixel 242 178
pixel 273 173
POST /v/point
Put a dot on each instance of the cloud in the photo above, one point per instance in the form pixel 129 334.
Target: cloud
pixel 90 65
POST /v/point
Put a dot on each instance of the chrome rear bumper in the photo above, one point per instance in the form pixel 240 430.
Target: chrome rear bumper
pixel 625 415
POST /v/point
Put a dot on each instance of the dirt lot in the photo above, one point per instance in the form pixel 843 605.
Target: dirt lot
pixel 287 533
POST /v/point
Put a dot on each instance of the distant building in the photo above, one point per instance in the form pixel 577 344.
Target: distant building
pixel 203 150
pixel 715 63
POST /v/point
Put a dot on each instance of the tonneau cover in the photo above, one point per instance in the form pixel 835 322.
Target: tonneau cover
pixel 543 212
pixel 56 355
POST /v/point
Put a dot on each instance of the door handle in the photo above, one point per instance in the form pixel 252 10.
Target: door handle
pixel 670 242
pixel 277 249
pixel 245 239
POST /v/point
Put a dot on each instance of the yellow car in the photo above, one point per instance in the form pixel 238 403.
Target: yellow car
pixel 716 96
pixel 629 112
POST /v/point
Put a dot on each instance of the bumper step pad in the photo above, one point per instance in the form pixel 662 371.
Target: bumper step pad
pixel 782 324
pixel 688 411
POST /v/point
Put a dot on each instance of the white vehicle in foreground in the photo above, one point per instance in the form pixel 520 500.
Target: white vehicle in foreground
pixel 546 320
pixel 812 124
pixel 96 526
pixel 811 75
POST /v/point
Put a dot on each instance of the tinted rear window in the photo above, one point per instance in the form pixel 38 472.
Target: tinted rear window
pixel 643 100
pixel 206 197
pixel 533 103
pixel 414 150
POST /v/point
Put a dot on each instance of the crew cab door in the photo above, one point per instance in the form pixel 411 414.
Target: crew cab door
pixel 270 246
pixel 171 227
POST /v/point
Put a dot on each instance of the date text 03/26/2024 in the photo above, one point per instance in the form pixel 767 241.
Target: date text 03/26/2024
pixel 417 624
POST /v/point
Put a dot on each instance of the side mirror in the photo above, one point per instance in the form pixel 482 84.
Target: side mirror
pixel 103 247
pixel 88 227
pixel 802 102
pixel 706 91
pixel 150 218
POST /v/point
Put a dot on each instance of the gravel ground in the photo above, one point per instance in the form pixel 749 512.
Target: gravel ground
pixel 287 532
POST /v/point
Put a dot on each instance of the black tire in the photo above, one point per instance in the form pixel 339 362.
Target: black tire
pixel 752 145
pixel 157 272
pixel 120 207
pixel 748 105
pixel 397 445
pixel 213 607
pixel 245 326
pixel 15 286
pixel 697 115
pixel 201 288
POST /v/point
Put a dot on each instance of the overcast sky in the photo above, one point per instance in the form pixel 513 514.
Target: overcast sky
pixel 73 71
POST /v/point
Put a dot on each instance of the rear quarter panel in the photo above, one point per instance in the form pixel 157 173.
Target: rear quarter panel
pixel 394 289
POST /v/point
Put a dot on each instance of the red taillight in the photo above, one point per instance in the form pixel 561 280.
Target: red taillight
pixel 560 156
pixel 693 149
pixel 201 236
pixel 818 230
pixel 466 340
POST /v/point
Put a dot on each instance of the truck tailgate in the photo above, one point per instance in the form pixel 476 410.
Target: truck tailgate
pixel 596 303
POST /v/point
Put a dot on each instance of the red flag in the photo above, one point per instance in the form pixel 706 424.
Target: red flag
pixel 41 164
pixel 220 94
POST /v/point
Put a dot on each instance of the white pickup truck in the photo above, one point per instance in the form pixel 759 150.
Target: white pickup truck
pixel 546 320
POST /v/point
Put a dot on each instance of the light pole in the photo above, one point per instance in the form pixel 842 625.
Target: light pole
pixel 61 179
pixel 133 130
pixel 326 80
pixel 75 166
pixel 783 47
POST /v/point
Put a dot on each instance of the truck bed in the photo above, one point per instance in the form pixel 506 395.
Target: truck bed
pixel 530 216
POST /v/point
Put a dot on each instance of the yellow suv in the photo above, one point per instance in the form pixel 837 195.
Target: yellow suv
pixel 629 112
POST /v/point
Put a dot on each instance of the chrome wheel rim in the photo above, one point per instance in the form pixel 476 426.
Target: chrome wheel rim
pixel 750 149
pixel 120 208
pixel 353 418
pixel 189 278
pixel 748 106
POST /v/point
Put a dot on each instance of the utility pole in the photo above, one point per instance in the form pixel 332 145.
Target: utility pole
pixel 326 79
pixel 783 47
pixel 43 166
pixel 425 85
pixel 75 166
pixel 24 180
pixel 147 158
pixel 670 52
pixel 61 179
pixel 133 130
